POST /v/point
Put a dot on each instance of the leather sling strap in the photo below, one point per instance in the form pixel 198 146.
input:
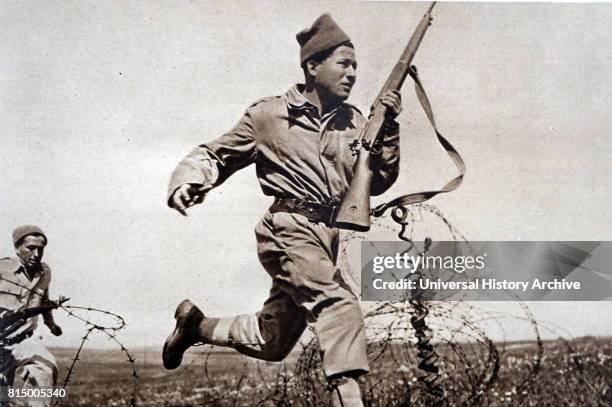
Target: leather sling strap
pixel 453 184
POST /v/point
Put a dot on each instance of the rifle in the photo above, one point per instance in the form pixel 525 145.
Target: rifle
pixel 354 212
pixel 12 321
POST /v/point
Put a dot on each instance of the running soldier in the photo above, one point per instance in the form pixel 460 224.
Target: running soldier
pixel 299 142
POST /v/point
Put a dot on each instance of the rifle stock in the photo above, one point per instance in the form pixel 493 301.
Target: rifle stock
pixel 354 212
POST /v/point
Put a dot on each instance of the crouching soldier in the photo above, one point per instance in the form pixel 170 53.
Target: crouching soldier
pixel 24 285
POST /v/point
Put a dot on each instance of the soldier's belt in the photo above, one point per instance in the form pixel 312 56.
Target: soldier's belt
pixel 314 212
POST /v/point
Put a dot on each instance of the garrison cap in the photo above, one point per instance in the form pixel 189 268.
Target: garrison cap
pixel 324 34
pixel 22 231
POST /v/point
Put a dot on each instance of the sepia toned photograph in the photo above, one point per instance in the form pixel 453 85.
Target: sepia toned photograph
pixel 267 203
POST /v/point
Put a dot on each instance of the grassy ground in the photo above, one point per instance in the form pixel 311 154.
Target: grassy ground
pixel 556 373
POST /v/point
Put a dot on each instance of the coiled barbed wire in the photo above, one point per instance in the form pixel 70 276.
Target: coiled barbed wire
pixel 473 369
pixel 470 363
pixel 110 331
pixel 431 378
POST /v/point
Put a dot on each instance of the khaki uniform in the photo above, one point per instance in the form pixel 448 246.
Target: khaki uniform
pixel 302 156
pixel 37 364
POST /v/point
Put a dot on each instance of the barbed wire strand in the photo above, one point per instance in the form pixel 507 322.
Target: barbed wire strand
pixel 110 331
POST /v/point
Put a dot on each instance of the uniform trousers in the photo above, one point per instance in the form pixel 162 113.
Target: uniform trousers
pixel 34 363
pixel 307 290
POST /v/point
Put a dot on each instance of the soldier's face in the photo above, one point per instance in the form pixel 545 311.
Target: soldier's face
pixel 31 250
pixel 336 75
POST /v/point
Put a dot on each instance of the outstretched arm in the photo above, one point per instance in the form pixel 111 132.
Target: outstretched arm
pixel 210 164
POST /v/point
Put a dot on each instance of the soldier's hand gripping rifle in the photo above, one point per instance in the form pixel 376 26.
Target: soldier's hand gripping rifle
pixel 12 321
pixel 354 213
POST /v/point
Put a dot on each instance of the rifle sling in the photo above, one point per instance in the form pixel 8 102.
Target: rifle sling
pixel 453 184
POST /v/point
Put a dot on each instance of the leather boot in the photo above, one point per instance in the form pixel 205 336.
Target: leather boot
pixel 188 318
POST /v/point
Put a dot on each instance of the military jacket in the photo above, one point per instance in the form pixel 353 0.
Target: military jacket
pixel 297 153
pixel 18 292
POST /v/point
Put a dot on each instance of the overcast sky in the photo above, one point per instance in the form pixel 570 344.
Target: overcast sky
pixel 100 100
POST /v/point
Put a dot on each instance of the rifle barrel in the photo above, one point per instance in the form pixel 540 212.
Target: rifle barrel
pixel 401 68
pixel 354 213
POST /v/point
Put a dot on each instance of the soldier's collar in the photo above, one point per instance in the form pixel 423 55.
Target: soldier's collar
pixel 18 267
pixel 296 100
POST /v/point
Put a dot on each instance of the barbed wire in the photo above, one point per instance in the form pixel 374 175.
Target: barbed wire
pixel 472 368
pixel 110 331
